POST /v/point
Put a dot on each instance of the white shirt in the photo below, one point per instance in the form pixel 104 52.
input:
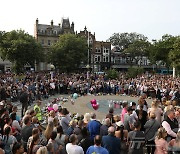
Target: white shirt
pixel 74 149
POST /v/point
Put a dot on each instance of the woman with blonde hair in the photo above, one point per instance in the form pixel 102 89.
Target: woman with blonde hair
pixel 42 150
pixel 161 143
pixel 49 130
pixel 87 118
pixel 156 110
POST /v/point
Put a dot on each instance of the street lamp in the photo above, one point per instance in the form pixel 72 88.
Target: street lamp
pixel 52 67
pixel 88 67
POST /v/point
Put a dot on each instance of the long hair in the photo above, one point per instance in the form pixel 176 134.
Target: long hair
pixel 7 133
pixel 49 129
pixel 35 139
pixel 160 133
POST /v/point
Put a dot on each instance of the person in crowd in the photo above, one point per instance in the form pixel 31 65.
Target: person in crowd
pixel 37 109
pixel 111 142
pixel 64 122
pixel 18 148
pixel 156 109
pixel 50 148
pixel 161 143
pixel 42 150
pixel 72 125
pixel 61 139
pixel 24 98
pixel 136 139
pixel 175 144
pixel 77 129
pixel 151 127
pixel 170 124
pixel 110 115
pixel 35 131
pixel 142 116
pixel 104 127
pixel 122 134
pixel 128 121
pixel 142 101
pixel 51 115
pixel 34 146
pixel 72 147
pixel 87 118
pixel 85 142
pixel 49 130
pixel 9 140
pixel 26 131
pixel 97 148
pixel 93 126
pixel 124 110
pixel 57 148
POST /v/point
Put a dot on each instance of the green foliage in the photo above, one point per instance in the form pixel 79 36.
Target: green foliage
pixel 138 49
pixel 68 53
pixel 161 49
pixel 112 74
pixel 21 49
pixel 123 40
pixel 174 55
pixel 134 72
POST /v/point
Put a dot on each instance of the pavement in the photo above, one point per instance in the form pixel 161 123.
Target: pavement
pixel 82 104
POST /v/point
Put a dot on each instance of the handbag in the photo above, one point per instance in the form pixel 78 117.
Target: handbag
pixel 149 129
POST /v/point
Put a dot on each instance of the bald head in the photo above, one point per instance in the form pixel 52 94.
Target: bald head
pixel 111 130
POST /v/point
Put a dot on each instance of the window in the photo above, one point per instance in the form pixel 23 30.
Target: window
pixel 97 58
pixel 106 51
pixel 49 42
pixel 42 41
pixel 105 58
pixel 98 50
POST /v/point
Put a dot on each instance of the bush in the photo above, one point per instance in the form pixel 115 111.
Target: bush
pixel 134 71
pixel 112 74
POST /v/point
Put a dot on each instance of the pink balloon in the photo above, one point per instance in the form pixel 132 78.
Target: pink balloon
pixel 55 107
pixel 50 108
pixel 93 101
pixel 95 106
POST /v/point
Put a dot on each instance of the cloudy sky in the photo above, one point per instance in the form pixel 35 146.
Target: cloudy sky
pixel 153 18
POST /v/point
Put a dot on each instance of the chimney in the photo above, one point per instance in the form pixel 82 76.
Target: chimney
pixel 37 21
pixel 52 23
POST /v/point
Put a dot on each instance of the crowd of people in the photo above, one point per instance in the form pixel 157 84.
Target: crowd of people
pixel 139 127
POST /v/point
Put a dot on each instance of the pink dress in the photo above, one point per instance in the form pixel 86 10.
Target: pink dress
pixel 161 146
pixel 124 110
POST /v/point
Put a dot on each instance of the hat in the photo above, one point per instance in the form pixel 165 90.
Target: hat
pixel 119 123
pixel 1 103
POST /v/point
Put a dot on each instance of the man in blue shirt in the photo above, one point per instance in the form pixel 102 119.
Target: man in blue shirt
pixel 96 148
pixel 93 126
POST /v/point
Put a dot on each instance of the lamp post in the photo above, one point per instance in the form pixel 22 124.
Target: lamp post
pixel 52 67
pixel 88 67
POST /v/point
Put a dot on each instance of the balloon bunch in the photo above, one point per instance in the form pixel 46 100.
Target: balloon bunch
pixel 51 107
pixel 94 104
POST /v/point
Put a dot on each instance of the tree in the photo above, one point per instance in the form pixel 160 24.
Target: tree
pixel 112 74
pixel 174 54
pixel 68 53
pixel 21 49
pixel 138 49
pixel 161 49
pixel 123 40
pixel 133 72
